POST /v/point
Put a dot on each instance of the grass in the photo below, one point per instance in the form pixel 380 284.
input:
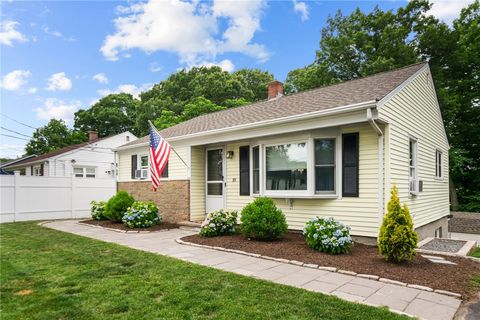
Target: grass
pixel 47 274
pixel 475 253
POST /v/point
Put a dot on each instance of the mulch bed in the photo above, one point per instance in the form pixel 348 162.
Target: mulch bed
pixel 362 259
pixel 121 226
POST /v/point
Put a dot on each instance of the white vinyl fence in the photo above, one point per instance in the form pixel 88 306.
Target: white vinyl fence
pixel 24 198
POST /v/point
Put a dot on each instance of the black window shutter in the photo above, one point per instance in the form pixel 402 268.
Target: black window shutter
pixel 350 164
pixel 165 171
pixel 134 165
pixel 245 171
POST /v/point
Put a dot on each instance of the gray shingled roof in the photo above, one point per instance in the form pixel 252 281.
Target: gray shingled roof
pixel 373 87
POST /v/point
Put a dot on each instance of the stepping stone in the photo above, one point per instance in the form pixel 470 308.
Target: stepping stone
pixel 442 261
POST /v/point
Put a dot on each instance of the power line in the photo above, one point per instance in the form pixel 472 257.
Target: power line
pixel 23 124
pixel 7 135
pixel 21 134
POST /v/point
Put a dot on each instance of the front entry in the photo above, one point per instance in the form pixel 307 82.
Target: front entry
pixel 215 183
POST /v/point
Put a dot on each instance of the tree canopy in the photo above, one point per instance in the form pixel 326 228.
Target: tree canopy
pixel 361 44
pixel 53 136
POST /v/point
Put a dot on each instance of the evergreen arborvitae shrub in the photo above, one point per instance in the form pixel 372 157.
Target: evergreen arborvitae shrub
pixel 397 240
pixel 117 206
pixel 262 220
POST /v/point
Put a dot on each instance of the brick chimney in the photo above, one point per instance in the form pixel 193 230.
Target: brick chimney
pixel 275 89
pixel 92 135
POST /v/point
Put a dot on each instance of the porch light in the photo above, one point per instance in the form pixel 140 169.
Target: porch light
pixel 229 154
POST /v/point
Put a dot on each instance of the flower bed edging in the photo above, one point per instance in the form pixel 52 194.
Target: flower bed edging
pixel 331 269
pixel 118 230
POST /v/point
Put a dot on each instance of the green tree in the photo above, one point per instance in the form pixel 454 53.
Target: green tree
pixel 111 115
pixel 397 240
pixel 360 44
pixel 53 136
pixel 167 119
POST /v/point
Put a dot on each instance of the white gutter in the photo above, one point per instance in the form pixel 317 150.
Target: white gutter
pixel 379 132
pixel 303 116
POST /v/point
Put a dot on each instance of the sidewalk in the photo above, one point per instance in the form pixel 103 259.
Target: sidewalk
pixel 419 303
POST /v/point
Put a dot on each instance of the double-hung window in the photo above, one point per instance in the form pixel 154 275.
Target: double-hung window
pixel 438 164
pixel 286 167
pixel 413 169
pixel 84 172
pixel 325 166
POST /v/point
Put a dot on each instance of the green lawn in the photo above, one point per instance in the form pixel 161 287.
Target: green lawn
pixel 47 274
pixel 475 253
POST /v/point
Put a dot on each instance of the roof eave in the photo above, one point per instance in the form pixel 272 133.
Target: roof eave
pixel 304 116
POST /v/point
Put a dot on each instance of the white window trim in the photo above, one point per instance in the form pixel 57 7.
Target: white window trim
pixel 440 157
pixel 84 172
pixel 34 170
pixel 140 167
pixel 310 144
pixel 259 169
pixel 415 191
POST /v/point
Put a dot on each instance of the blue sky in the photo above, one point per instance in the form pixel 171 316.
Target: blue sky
pixel 57 57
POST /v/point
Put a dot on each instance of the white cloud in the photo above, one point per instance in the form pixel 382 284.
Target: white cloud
pixel 154 67
pixel 100 78
pixel 190 29
pixel 448 10
pixel 11 151
pixel 301 8
pixel 9 34
pixel 226 65
pixel 57 109
pixel 15 80
pixel 32 90
pixel 126 88
pixel 52 32
pixel 59 81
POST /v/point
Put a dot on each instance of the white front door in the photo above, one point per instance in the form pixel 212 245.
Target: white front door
pixel 215 183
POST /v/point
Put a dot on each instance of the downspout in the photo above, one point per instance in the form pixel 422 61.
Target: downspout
pixel 379 132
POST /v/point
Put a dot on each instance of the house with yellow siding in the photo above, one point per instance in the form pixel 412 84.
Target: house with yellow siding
pixel 333 151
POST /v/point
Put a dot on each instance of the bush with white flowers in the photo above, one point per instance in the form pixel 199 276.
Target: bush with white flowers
pixel 327 235
pixel 141 215
pixel 218 223
pixel 98 210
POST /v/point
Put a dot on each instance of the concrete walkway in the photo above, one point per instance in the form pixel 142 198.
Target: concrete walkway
pixel 419 303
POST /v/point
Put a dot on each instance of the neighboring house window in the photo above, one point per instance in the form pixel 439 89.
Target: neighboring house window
pixel 438 164
pixel 325 165
pixel 127 138
pixel 37 171
pixel 286 167
pixel 256 170
pixel 84 172
pixel 244 170
pixel 413 169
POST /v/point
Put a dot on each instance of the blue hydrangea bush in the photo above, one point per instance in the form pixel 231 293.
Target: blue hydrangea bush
pixel 218 223
pixel 97 210
pixel 327 235
pixel 141 215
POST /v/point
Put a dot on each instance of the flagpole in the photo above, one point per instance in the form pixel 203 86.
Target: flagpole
pixel 186 165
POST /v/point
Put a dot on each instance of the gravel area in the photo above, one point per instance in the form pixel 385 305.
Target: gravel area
pixel 121 226
pixel 444 245
pixel 362 259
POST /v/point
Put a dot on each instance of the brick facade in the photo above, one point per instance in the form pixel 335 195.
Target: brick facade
pixel 172 197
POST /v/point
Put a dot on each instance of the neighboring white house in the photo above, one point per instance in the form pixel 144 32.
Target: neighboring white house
pixel 92 159
pixel 332 151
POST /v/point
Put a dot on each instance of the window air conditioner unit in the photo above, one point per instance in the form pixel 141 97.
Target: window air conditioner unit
pixel 141 174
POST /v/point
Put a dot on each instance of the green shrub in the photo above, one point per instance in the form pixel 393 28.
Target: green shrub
pixel 262 220
pixel 141 215
pixel 118 205
pixel 219 223
pixel 327 235
pixel 97 210
pixel 397 240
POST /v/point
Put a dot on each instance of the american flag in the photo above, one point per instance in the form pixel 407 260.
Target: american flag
pixel 159 153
